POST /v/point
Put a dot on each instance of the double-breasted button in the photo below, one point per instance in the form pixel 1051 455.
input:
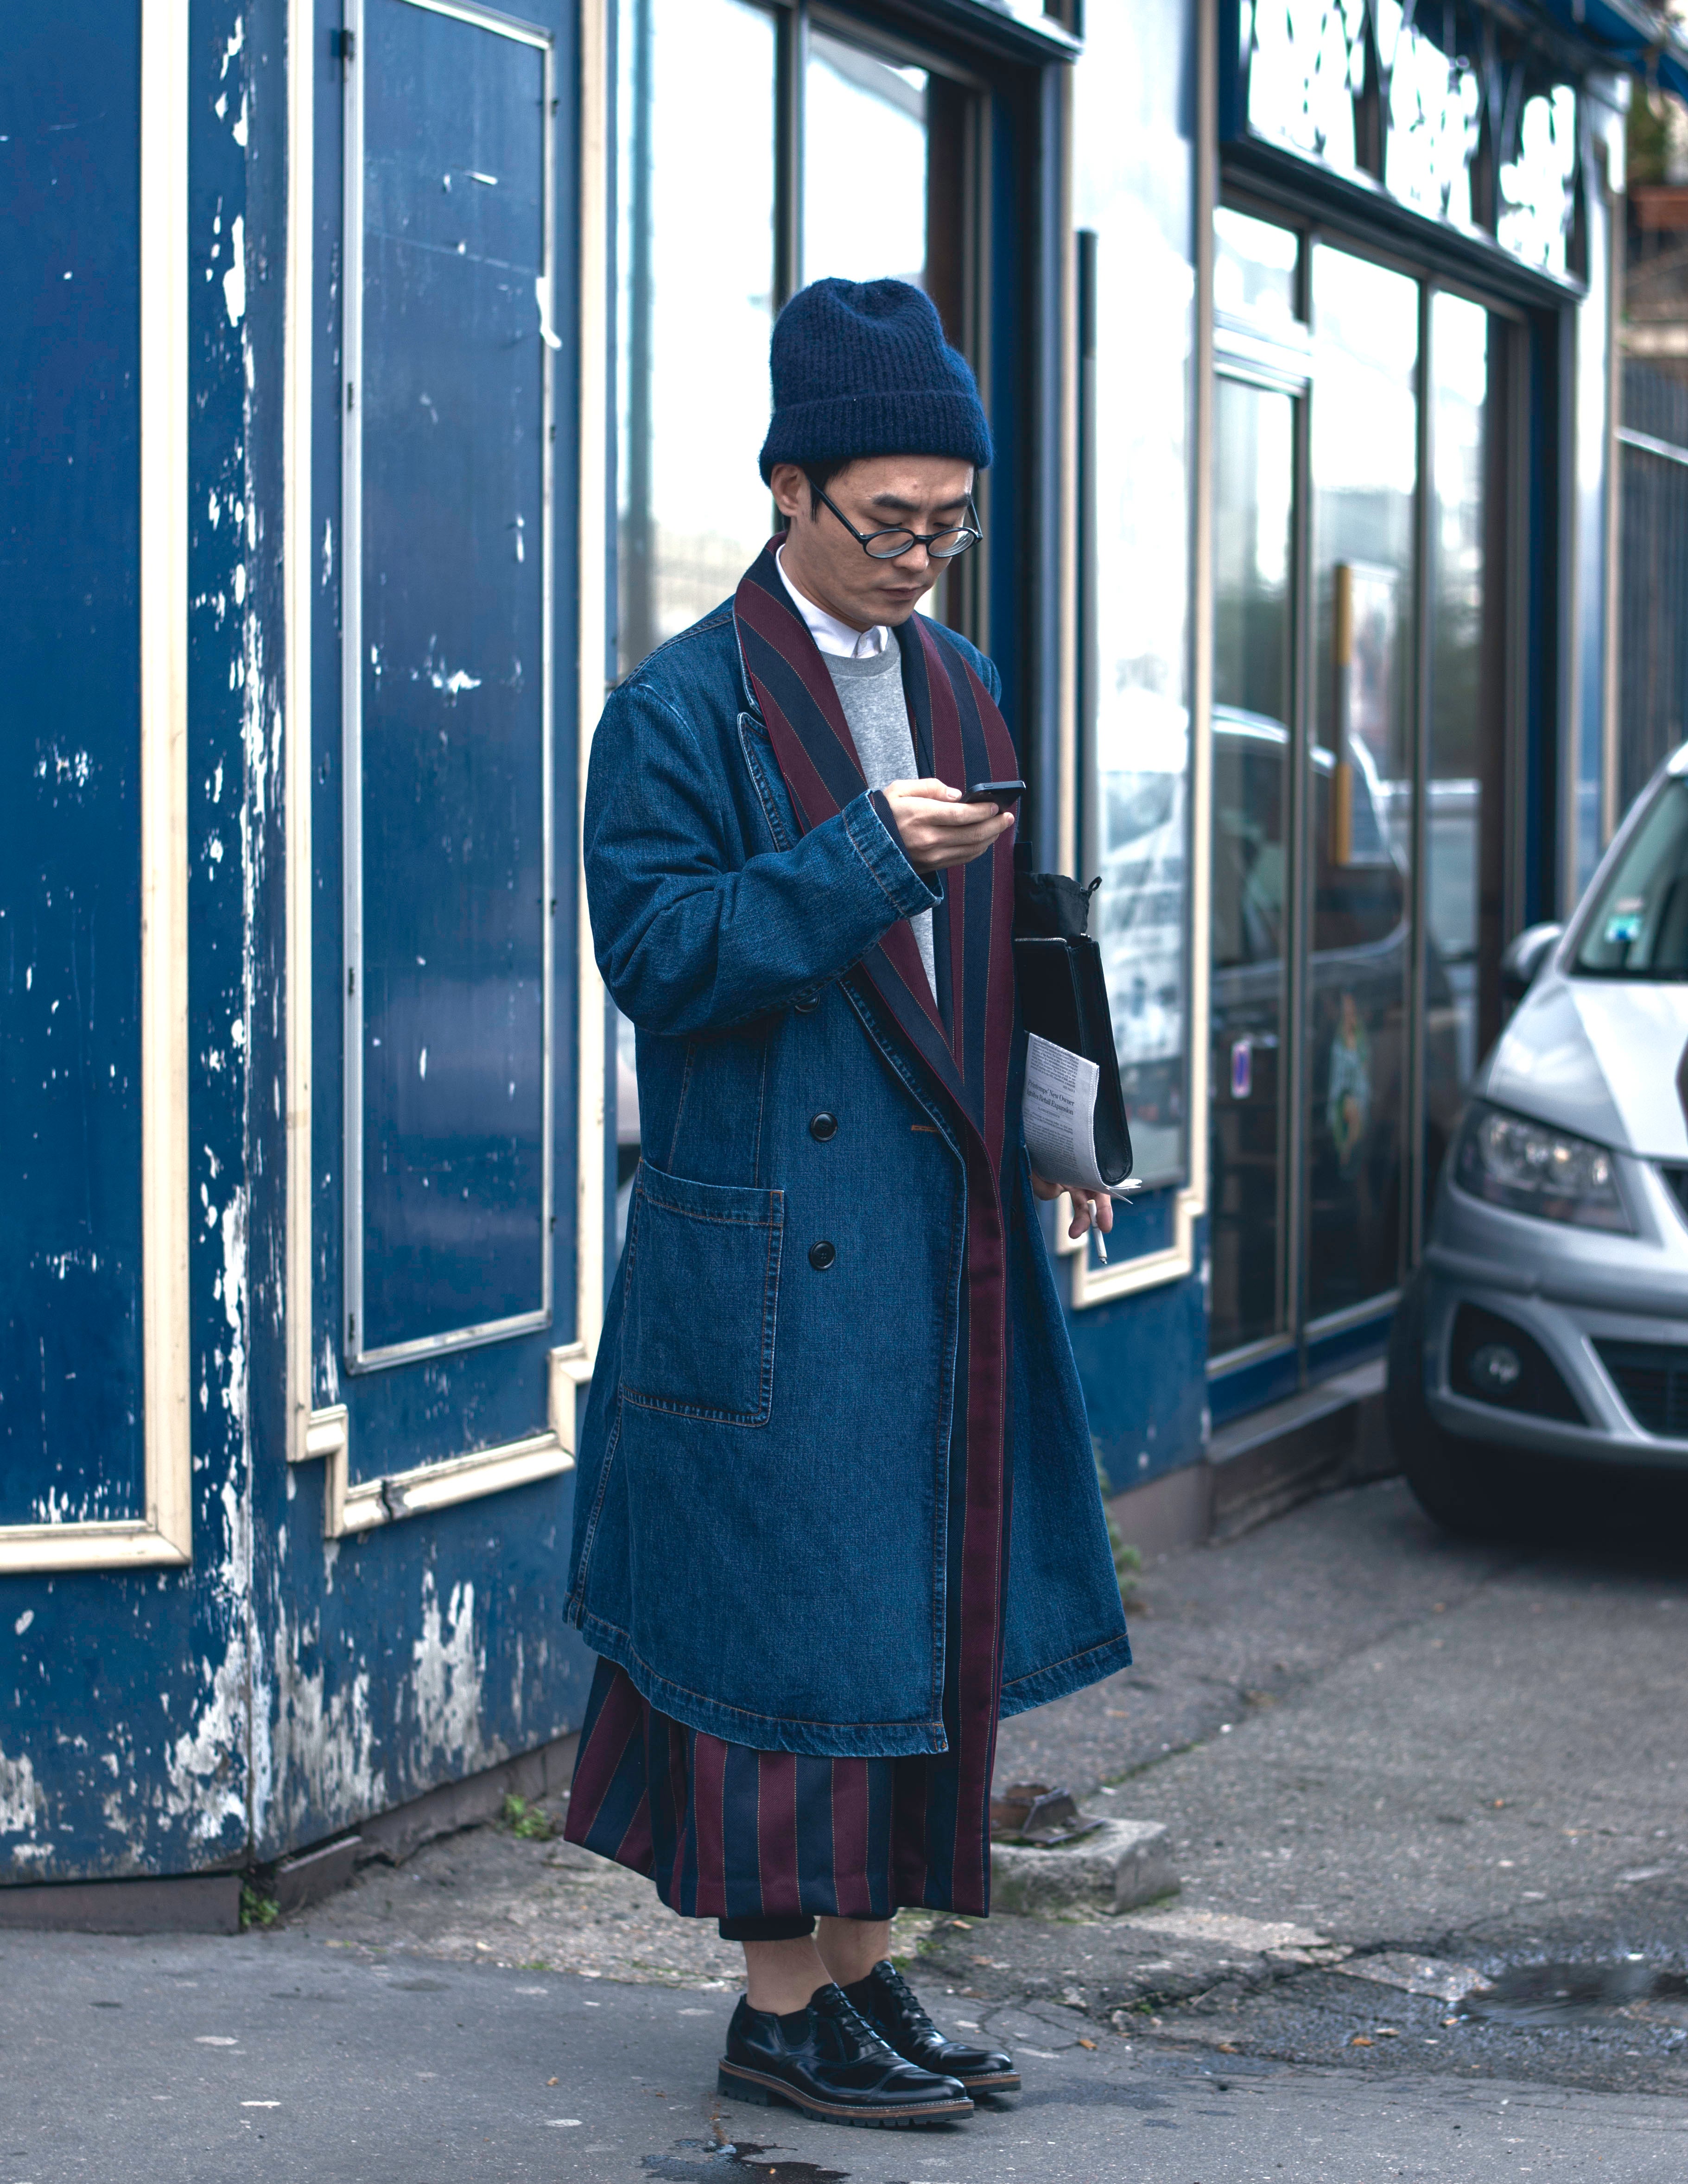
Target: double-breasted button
pixel 822 1126
pixel 806 1002
pixel 821 1256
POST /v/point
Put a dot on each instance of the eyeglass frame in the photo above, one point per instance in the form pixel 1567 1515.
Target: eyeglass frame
pixel 863 538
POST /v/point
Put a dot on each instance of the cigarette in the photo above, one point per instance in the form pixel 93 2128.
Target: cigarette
pixel 1101 1247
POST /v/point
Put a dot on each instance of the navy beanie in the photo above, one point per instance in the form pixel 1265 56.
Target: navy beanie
pixel 863 368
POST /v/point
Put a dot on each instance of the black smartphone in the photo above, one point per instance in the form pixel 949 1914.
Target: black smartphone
pixel 994 792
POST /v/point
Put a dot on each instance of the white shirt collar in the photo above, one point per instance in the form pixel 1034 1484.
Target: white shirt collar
pixel 829 633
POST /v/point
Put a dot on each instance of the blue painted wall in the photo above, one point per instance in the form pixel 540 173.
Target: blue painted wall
pixel 282 1685
pixel 125 1712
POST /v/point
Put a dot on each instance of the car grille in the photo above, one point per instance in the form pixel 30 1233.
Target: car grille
pixel 1652 1379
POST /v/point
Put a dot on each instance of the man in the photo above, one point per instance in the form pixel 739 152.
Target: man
pixel 836 1507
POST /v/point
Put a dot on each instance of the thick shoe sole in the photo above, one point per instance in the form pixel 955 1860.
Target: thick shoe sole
pixel 765 2092
pixel 1005 2081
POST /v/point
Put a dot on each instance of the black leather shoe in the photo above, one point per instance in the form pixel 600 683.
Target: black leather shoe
pixel 826 2061
pixel 893 2008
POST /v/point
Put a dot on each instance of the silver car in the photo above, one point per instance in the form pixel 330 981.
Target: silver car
pixel 1551 1315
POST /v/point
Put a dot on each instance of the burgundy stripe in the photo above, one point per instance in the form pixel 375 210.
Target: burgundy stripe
pixel 849 1838
pixel 777 622
pixel 634 1849
pixel 978 1675
pixel 809 791
pixel 776 1833
pixel 679 1804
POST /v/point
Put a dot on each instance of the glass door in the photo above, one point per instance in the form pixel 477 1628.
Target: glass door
pixel 1365 476
pixel 1465 830
pixel 1256 429
pixel 1356 912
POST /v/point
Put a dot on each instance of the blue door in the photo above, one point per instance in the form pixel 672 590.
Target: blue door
pixel 423 1635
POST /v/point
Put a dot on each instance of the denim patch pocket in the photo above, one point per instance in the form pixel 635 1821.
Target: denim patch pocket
pixel 702 1294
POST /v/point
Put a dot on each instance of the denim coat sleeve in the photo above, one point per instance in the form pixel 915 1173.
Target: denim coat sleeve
pixel 690 936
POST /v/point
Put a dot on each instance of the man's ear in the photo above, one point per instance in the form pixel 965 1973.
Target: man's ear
pixel 789 489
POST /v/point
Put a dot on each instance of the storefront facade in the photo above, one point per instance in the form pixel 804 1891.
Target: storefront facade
pixel 420 373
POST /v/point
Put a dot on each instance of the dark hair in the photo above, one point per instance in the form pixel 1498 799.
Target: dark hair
pixel 820 476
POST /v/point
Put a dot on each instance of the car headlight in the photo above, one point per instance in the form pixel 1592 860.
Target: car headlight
pixel 1530 1169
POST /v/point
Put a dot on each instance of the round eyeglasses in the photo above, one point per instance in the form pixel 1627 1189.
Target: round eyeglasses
pixel 892 545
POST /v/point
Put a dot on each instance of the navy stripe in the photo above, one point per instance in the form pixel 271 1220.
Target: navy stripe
pixel 817 1882
pixel 741 1854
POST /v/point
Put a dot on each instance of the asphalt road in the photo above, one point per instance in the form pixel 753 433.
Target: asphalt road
pixel 1428 1804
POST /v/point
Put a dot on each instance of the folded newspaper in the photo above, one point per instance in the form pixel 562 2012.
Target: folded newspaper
pixel 1060 1113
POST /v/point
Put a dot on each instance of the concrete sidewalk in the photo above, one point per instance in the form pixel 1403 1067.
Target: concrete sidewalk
pixel 274 2060
pixel 1427 1805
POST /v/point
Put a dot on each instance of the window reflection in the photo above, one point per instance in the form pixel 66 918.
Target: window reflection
pixel 864 165
pixel 697 259
pixel 1464 840
pixel 1255 264
pixel 1133 192
pixel 1254 501
pixel 1365 476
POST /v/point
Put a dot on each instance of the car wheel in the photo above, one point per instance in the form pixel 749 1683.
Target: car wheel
pixel 1461 1484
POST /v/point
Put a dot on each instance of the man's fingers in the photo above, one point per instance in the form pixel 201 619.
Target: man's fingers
pixel 929 787
pixel 931 809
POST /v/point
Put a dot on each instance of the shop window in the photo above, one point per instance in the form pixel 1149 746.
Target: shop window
pixel 1538 184
pixel 698 294
pixel 1133 193
pixel 1307 65
pixel 1444 107
pixel 863 165
pixel 1436 118
pixel 1256 267
pixel 1359 792
pixel 858 164
pixel 843 157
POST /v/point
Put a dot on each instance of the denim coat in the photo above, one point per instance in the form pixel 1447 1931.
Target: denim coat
pixel 762 1497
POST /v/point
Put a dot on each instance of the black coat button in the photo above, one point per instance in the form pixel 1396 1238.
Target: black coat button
pixel 806 1002
pixel 824 1126
pixel 821 1256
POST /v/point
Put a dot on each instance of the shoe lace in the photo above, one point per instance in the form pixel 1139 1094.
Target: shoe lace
pixel 908 2001
pixel 850 2021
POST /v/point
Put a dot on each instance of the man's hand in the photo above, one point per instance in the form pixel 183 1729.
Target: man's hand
pixel 938 828
pixel 1091 1209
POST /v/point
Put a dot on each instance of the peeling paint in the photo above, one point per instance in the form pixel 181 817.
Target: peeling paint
pixel 23 1802
pixel 445 1682
pixel 323 1745
pixel 234 280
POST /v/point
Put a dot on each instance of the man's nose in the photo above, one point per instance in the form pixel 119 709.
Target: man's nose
pixel 916 561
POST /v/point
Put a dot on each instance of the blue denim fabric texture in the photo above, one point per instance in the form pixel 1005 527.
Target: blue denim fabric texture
pixel 761 1497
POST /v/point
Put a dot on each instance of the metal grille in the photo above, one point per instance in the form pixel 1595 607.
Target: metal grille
pixel 1654 599
pixel 1652 1379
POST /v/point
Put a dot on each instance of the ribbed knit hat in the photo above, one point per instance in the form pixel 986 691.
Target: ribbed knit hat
pixel 863 368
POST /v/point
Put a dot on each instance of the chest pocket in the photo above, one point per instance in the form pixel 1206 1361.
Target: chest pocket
pixel 702 1298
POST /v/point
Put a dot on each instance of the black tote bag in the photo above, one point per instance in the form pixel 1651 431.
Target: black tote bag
pixel 1064 999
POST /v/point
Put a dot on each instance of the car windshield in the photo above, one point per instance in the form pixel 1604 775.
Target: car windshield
pixel 1639 925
